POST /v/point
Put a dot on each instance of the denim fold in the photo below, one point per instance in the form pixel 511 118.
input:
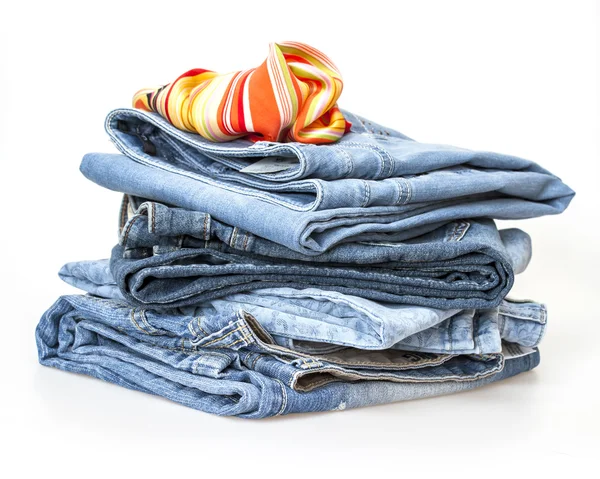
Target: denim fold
pixel 374 184
pixel 314 320
pixel 230 365
pixel 171 257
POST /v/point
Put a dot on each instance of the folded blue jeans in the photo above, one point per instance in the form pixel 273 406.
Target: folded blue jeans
pixel 229 365
pixel 172 257
pixel 375 184
pixel 319 321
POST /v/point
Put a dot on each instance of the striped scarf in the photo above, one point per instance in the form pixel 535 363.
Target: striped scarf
pixel 290 97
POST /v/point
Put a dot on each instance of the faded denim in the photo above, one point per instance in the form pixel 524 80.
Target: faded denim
pixel 229 365
pixel 373 185
pixel 313 320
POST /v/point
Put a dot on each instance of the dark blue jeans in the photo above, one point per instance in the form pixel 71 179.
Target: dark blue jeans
pixel 171 257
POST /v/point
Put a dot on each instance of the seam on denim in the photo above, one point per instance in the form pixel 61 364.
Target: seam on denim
pixel 135 323
pixel 312 365
pixel 322 382
pixel 381 153
pixel 399 188
pixel 315 384
pixel 542 328
pixel 533 318
pixel 350 160
pixel 167 348
pixel 367 195
pixel 347 160
pixel 536 313
pixel 221 337
pixel 255 360
pixel 153 221
pixel 191 329
pixel 125 236
pixel 245 245
pixel 441 359
pixel 410 191
pixel 200 327
pixel 407 188
pixel 233 238
pixel 318 184
pixel 395 379
pixel 244 338
pixel 301 157
pixel 284 398
pixel 151 329
pixel 166 166
pixel 143 208
pixel 205 237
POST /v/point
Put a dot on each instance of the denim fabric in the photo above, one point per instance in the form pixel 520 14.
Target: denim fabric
pixel 171 228
pixel 313 320
pixel 170 257
pixel 374 184
pixel 231 366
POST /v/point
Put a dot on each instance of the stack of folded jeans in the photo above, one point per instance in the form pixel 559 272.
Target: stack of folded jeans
pixel 348 267
pixel 258 279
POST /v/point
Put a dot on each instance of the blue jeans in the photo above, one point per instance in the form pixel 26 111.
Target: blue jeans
pixel 316 321
pixel 373 185
pixel 229 365
pixel 171 257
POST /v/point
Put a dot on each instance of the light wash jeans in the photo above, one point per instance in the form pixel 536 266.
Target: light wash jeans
pixel 170 257
pixel 375 184
pixel 316 321
pixel 229 365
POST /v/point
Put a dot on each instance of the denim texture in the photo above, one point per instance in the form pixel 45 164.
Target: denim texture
pixel 374 184
pixel 229 365
pixel 171 257
pixel 262 279
pixel 314 320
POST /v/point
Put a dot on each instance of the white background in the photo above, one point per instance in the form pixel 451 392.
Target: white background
pixel 517 77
